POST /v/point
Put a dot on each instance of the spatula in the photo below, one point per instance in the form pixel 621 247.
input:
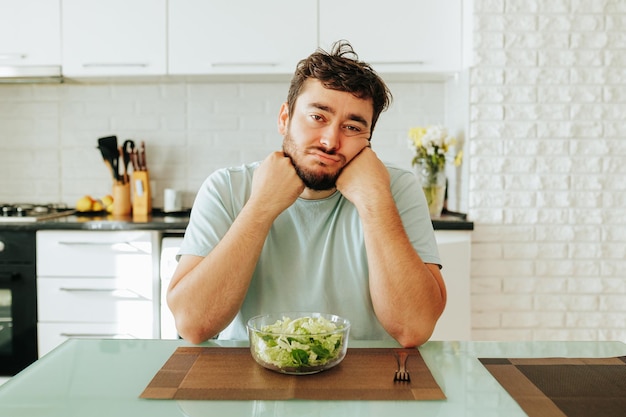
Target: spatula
pixel 110 154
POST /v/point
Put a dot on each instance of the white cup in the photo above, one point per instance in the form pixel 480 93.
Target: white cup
pixel 172 200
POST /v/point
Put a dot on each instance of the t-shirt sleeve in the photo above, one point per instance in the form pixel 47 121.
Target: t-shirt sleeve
pixel 413 210
pixel 218 202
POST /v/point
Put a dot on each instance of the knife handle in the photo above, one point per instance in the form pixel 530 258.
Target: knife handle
pixel 134 159
pixel 143 165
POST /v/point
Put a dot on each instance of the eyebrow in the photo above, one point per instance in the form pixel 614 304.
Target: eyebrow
pixel 352 116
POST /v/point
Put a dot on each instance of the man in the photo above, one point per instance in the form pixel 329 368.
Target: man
pixel 322 226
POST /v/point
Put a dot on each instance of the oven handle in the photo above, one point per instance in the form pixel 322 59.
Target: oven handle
pixel 115 292
pixel 100 335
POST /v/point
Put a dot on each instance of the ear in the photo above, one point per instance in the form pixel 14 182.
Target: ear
pixel 283 119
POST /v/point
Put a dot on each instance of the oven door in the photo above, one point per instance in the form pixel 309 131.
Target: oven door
pixel 18 318
pixel 18 301
pixel 6 323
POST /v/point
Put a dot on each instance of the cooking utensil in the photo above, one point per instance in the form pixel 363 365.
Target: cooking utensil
pixel 123 175
pixel 110 154
pixel 127 150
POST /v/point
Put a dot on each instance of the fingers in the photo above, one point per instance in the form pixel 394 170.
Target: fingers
pixel 275 182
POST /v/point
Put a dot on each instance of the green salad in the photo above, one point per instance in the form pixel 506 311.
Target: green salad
pixel 302 342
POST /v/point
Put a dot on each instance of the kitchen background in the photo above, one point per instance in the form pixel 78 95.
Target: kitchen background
pixel 540 113
pixel 50 132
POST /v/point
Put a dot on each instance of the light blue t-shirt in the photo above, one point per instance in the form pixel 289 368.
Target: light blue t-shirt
pixel 314 257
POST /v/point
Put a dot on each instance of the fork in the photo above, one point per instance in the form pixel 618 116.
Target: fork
pixel 402 374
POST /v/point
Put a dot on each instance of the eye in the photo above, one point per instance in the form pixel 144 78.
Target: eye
pixel 354 130
pixel 316 117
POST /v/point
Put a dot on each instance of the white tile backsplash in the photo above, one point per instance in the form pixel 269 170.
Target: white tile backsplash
pixel 48 133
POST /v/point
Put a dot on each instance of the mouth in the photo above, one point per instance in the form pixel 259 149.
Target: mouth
pixel 325 158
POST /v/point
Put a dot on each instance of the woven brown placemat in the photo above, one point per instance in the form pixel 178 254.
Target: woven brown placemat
pixel 557 387
pixel 209 373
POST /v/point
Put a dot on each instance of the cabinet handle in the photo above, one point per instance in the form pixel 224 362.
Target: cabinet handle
pixel 99 335
pixel 397 62
pixel 7 57
pixel 115 292
pixel 244 64
pixel 89 243
pixel 115 65
pixel 124 247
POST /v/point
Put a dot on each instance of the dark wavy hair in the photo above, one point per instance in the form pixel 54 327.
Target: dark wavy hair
pixel 341 70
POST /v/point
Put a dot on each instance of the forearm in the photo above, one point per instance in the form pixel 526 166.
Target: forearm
pixel 408 296
pixel 204 297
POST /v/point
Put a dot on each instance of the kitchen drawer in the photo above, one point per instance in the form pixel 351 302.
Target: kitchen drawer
pixel 94 253
pixel 94 300
pixel 50 335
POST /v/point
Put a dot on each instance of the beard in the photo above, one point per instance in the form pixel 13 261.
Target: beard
pixel 312 180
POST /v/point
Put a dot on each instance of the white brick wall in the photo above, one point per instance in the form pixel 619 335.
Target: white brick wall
pixel 547 163
pixel 48 133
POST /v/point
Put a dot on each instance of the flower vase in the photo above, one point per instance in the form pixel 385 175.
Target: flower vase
pixel 433 181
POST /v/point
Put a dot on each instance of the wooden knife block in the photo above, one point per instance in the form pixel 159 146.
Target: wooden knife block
pixel 142 197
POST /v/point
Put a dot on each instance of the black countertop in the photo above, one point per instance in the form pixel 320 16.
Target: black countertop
pixel 158 221
pixel 169 222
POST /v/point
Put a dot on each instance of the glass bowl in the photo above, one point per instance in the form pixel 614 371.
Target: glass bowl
pixel 298 343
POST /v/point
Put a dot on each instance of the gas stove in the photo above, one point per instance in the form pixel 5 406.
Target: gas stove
pixel 32 212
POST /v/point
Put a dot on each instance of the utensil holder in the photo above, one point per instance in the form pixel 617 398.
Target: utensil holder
pixel 121 199
pixel 142 197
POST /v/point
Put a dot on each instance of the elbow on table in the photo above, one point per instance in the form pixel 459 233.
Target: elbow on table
pixel 192 333
pixel 417 332
pixel 412 339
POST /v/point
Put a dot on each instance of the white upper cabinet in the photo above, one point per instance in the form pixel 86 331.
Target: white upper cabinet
pixel 240 36
pixel 397 35
pixel 30 33
pixel 114 37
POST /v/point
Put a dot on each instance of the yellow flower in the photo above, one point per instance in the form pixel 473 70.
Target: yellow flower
pixel 431 145
pixel 416 134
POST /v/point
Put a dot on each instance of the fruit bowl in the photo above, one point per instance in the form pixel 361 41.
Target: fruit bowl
pixel 298 343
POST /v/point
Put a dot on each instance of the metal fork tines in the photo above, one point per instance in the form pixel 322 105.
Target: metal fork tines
pixel 402 374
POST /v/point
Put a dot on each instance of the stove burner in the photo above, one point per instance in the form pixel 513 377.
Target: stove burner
pixel 6 210
pixel 32 211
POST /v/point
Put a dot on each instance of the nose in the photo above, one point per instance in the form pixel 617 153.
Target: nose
pixel 330 138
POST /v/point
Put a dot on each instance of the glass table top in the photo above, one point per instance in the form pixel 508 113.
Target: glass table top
pixel 87 377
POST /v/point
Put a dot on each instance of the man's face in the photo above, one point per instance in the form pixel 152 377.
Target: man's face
pixel 326 130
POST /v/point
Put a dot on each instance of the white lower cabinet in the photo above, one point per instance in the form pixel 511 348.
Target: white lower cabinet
pixel 455 253
pixel 102 284
pixel 111 284
pixel 51 335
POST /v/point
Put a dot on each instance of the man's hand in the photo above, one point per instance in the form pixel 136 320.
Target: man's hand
pixel 275 184
pixel 363 178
